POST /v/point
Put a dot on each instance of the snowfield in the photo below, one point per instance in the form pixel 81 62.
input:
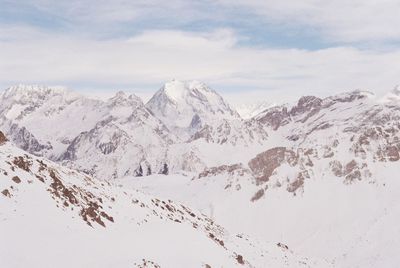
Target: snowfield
pixel 54 216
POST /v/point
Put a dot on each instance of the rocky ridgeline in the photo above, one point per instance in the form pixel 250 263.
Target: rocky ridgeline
pixel 185 122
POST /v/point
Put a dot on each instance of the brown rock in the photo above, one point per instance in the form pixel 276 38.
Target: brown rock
pixel 393 153
pixel 264 164
pixel 6 193
pixel 258 195
pixel 240 259
pixel 22 163
pixel 3 138
pixel 299 182
pixel 16 179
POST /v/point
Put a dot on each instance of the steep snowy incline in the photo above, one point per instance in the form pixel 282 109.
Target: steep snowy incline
pixel 53 216
pixel 350 224
pixel 90 135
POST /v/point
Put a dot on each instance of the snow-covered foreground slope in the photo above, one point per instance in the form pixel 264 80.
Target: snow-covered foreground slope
pixel 51 216
pixel 350 225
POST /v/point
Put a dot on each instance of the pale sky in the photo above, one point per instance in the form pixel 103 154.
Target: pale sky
pixel 244 49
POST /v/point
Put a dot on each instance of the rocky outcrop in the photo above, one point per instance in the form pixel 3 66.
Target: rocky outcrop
pixel 228 170
pixel 3 138
pixel 27 141
pixel 275 117
pixel 264 164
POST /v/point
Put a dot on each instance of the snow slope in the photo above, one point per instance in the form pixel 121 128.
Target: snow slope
pixel 53 216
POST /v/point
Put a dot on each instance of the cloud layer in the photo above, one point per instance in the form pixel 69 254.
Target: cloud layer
pixel 76 56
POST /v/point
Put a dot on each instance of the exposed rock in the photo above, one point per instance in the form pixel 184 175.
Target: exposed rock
pixel 146 264
pixel 275 117
pixel 164 169
pixel 298 182
pixel 393 153
pixel 3 138
pixel 308 105
pixel 6 193
pixel 239 259
pixel 336 168
pixel 264 164
pixel 16 179
pixel 26 140
pixel 258 195
pixel 283 246
pixel 235 169
pixel 22 163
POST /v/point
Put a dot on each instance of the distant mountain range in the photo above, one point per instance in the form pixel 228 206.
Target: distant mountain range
pixel 316 177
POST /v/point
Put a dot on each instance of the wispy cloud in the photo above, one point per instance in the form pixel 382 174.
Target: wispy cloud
pixel 337 21
pixel 139 44
pixel 151 57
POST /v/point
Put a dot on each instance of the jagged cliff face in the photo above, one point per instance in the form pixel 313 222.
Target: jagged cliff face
pixel 119 137
pixel 350 136
pixel 87 134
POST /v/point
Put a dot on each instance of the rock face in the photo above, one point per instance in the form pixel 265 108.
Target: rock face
pixel 86 134
pixel 264 164
pixel 3 138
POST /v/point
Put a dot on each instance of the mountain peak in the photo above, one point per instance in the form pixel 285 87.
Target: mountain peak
pixel 177 102
pixel 178 90
pixel 123 99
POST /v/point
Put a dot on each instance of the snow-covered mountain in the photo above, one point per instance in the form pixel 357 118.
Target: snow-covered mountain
pixel 316 176
pixel 193 111
pixel 120 136
pixel 84 133
pixel 187 106
pixel 325 182
pixel 54 216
